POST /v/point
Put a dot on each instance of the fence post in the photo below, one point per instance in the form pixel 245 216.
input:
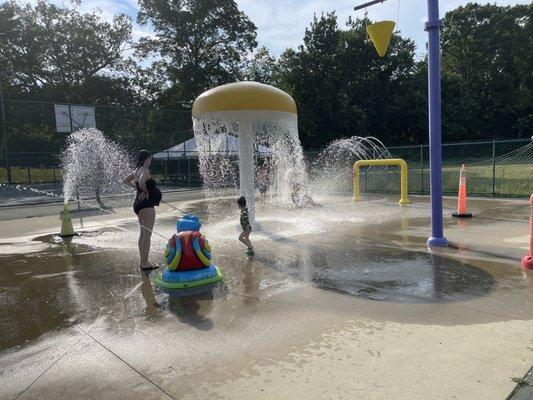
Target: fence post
pixel 70 116
pixel 29 170
pixel 373 172
pixel 366 181
pixel 178 167
pixel 167 177
pixel 4 129
pixel 494 168
pixel 188 163
pixel 421 169
pixel 189 170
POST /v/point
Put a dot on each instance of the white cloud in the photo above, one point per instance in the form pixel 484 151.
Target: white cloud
pixel 282 23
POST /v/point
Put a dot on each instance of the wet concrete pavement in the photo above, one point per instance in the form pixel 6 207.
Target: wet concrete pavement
pixel 342 301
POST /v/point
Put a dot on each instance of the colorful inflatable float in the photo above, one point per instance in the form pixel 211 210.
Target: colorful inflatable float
pixel 188 258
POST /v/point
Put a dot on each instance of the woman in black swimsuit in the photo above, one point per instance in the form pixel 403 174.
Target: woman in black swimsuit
pixel 148 196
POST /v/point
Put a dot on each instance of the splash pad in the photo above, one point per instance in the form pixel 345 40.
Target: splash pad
pixel 332 170
pixel 259 115
pixel 91 164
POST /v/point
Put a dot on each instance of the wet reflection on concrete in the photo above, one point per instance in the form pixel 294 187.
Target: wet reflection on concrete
pixel 94 275
pixel 383 273
pixel 72 283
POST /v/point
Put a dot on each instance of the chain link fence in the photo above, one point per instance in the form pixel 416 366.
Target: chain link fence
pixel 30 168
pixel 499 168
pixel 34 133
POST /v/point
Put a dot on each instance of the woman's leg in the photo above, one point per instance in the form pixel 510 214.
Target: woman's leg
pixel 148 216
pixel 141 238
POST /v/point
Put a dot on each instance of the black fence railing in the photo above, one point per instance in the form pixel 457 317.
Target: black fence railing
pixel 494 169
pixel 36 132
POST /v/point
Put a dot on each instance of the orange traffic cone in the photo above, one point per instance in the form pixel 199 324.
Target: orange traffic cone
pixel 461 197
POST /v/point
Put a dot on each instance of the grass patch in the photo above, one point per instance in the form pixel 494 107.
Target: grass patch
pixel 33 175
pixel 509 180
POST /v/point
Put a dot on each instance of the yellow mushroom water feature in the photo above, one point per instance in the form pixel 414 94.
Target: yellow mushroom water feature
pixel 245 124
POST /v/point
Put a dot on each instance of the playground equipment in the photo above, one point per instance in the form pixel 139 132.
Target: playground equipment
pixel 527 260
pixel 432 26
pixel 461 196
pixel 188 258
pixel 248 109
pixel 67 229
pixel 380 34
pixel 381 162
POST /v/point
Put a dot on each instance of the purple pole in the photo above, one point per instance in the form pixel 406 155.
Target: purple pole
pixel 435 136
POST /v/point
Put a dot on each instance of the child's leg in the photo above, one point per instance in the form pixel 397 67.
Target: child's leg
pixel 247 241
pixel 244 237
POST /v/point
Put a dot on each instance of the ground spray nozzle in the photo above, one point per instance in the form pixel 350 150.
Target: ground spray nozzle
pixel 66 223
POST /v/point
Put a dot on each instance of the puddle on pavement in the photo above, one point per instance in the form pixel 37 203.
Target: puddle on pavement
pixel 383 273
pixel 96 273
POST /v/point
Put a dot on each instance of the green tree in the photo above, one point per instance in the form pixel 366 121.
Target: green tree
pixel 58 54
pixel 198 44
pixel 262 67
pixel 313 80
pixel 487 59
pixel 343 88
pixel 58 49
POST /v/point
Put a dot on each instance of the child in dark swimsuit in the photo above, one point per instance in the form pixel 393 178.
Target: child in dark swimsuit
pixel 244 237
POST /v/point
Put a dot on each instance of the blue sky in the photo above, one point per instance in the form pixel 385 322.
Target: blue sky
pixel 281 23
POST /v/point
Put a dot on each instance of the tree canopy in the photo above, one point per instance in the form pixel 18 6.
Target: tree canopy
pixel 341 87
pixel 199 44
pixel 58 50
pixel 487 61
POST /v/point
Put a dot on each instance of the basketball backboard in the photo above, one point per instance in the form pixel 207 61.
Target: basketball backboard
pixel 72 118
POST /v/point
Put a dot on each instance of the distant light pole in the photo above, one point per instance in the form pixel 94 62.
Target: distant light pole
pixel 435 133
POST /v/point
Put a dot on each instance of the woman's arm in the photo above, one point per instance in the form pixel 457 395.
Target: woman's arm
pixel 143 177
pixel 128 180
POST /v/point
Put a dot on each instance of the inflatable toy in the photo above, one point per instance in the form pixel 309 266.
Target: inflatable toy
pixel 188 279
pixel 188 258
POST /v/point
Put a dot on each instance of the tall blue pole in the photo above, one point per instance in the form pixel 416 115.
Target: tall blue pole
pixel 435 135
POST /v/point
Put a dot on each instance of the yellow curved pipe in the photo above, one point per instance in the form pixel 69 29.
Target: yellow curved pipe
pixel 381 162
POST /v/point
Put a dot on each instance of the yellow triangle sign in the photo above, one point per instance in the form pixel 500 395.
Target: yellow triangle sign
pixel 380 33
